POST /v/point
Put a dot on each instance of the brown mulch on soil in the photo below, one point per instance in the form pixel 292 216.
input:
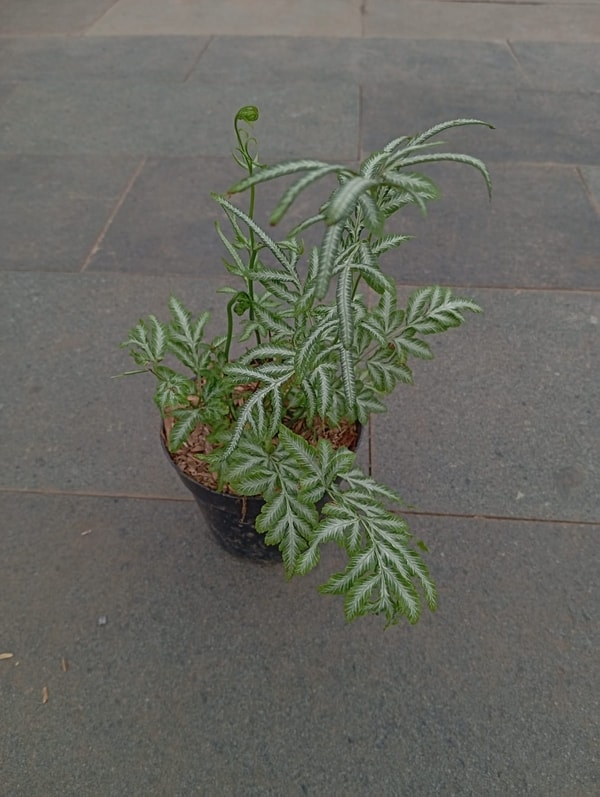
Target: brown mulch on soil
pixel 186 458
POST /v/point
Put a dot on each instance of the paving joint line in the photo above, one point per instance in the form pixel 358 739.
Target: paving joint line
pixel 502 518
pixel 518 63
pixel 124 194
pixel 401 285
pixel 197 60
pixel 51 493
pixel 593 200
pixel 512 2
pixel 101 16
pixel 184 500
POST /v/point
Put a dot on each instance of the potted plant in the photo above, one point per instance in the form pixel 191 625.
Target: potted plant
pixel 266 416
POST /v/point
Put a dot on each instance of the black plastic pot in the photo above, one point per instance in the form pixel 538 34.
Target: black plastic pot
pixel 230 518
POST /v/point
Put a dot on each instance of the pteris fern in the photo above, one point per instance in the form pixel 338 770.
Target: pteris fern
pixel 317 351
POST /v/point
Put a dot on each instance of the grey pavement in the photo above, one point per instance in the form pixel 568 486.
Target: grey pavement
pixel 146 661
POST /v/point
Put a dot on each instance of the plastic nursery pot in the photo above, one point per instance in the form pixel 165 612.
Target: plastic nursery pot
pixel 230 518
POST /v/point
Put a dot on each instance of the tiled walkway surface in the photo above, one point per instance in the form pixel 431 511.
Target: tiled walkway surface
pixel 170 668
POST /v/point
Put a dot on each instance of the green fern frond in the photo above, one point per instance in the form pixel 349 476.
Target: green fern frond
pixel 344 199
pixel 296 446
pixel 373 215
pixel 185 423
pixel 327 257
pixel 410 188
pixel 157 338
pixel 267 351
pixel 395 143
pixel 382 576
pixel 345 284
pixel 287 521
pixel 366 404
pixel 253 411
pixel 270 277
pixel 358 480
pixel 348 377
pixel 388 242
pixel 418 304
pixel 408 344
pixel 373 165
pixel 322 335
pixel 273 323
pixel 294 191
pixel 279 170
pixel 304 225
pixel 140 344
pixel 434 309
pixel 451 157
pixel 238 267
pixel 271 245
pixel 322 379
pixel 374 277
pixel 182 318
pixel 385 371
pixel 439 128
pixel 374 330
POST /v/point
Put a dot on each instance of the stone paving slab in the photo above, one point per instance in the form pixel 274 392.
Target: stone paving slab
pixel 569 20
pixel 439 63
pixel 210 676
pixel 52 210
pixel 235 58
pixel 488 21
pixel 276 60
pixel 166 223
pixel 115 118
pixel 214 676
pixel 241 58
pixel 589 3
pixel 235 17
pixel 349 18
pixel 6 89
pixel 50 16
pixel 556 65
pixel 68 58
pixel 591 177
pixel 503 422
pixel 531 125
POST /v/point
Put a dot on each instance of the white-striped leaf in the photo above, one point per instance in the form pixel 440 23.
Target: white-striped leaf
pixel 279 170
pixel 327 257
pixel 297 188
pixel 343 200
pixel 344 307
pixel 348 376
pixel 271 245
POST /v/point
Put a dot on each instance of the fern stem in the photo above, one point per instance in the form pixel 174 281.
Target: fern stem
pixel 254 252
pixel 249 162
pixel 230 304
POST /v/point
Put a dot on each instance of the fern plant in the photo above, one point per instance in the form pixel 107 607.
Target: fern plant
pixel 324 340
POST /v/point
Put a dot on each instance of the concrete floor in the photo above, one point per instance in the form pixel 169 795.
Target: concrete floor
pixel 146 661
